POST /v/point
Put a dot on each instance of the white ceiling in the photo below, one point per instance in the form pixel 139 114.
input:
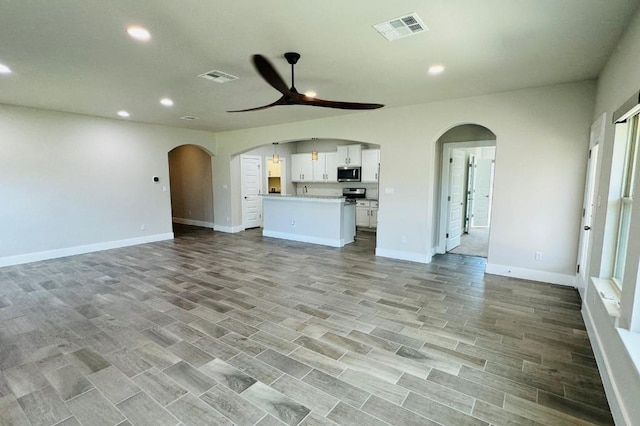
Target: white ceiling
pixel 75 55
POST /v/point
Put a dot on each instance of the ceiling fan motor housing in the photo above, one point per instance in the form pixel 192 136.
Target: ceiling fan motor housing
pixel 292 57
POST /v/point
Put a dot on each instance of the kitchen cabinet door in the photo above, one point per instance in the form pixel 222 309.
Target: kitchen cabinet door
pixel 274 168
pixel 325 168
pixel 301 168
pixel 331 166
pixel 349 155
pixel 370 165
pixel 362 216
pixel 319 167
pixel 373 217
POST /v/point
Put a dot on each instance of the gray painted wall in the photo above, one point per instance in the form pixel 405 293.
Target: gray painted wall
pixel 72 183
pixel 542 138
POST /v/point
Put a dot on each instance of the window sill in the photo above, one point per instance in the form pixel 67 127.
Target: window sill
pixel 609 295
pixel 631 342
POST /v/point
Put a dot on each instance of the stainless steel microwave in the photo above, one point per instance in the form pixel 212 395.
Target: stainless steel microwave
pixel 349 174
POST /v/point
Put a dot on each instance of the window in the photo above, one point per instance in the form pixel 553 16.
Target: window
pixel 626 199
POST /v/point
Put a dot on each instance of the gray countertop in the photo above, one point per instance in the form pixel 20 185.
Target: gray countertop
pixel 325 197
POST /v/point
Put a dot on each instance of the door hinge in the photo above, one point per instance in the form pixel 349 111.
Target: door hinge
pixel 447 235
pixel 578 269
pixel 451 160
pixel 584 211
pixel 449 198
pixel 589 154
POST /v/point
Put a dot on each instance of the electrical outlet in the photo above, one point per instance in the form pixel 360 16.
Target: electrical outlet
pixel 538 255
pixel 403 239
pixel 142 227
pixel 293 222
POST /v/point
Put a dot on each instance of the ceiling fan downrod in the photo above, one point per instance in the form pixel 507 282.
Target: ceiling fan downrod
pixel 292 59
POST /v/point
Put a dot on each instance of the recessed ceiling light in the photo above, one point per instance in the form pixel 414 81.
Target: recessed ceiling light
pixel 436 69
pixel 5 69
pixel 123 114
pixel 139 33
pixel 311 94
pixel 166 102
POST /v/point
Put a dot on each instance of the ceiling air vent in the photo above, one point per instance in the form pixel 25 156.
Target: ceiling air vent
pixel 401 27
pixel 188 117
pixel 218 76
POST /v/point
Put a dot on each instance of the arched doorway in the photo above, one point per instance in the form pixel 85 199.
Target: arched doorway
pixel 191 183
pixel 304 174
pixel 465 191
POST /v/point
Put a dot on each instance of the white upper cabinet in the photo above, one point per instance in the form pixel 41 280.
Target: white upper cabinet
pixel 325 168
pixel 331 166
pixel 370 165
pixel 319 167
pixel 349 155
pixel 274 168
pixel 301 168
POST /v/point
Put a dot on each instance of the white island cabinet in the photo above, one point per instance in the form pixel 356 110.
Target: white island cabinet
pixel 325 220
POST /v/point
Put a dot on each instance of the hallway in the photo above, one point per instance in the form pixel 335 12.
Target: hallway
pixel 474 243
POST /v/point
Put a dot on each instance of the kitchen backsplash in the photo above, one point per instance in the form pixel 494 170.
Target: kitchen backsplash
pixel 334 189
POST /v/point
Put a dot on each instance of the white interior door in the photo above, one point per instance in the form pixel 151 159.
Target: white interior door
pixel 455 198
pixel 584 248
pixel 251 189
pixel 483 184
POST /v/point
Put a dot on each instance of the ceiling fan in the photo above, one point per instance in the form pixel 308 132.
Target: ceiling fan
pixel 290 96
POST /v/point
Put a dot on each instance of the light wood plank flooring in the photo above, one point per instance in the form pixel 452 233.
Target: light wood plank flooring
pixel 221 329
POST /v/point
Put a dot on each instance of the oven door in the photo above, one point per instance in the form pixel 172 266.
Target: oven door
pixel 348 174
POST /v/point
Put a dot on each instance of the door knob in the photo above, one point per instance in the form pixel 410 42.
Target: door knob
pixel 587 228
pixel 246 198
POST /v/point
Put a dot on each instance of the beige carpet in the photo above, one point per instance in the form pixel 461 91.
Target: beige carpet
pixel 475 243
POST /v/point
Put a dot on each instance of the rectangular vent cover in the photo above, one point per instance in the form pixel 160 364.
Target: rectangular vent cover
pixel 218 76
pixel 401 27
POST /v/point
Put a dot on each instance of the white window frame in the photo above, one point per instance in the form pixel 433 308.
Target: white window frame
pixel 626 200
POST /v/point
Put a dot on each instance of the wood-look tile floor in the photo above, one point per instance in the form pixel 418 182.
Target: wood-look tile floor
pixel 220 329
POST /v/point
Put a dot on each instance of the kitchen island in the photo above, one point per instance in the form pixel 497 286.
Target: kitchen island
pixel 326 220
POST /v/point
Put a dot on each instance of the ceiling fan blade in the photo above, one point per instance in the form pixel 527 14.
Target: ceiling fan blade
pixel 269 73
pixel 281 101
pixel 305 100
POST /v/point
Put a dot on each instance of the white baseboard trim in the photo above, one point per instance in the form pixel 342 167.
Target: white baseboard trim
pixel 71 251
pixel 531 274
pixel 200 223
pixel 604 367
pixel 228 229
pixel 306 239
pixel 404 255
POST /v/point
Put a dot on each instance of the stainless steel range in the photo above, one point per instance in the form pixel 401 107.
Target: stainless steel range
pixel 352 193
